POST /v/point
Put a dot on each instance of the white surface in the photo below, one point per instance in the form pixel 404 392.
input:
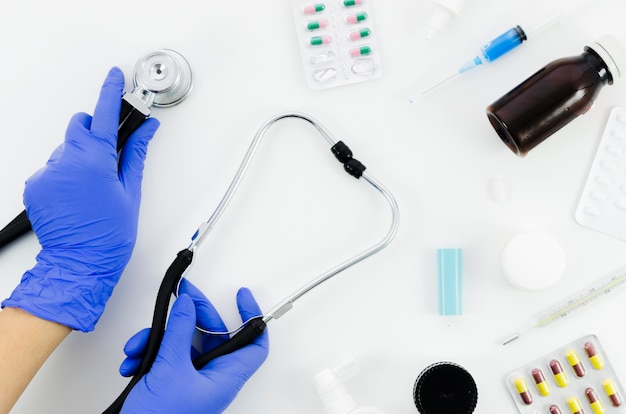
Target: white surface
pixel 297 214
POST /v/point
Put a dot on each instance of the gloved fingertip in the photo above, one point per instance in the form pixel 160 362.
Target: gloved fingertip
pixel 146 131
pixel 114 76
pixel 129 367
pixel 190 289
pixel 244 295
pixel 136 345
pixel 248 306
pixel 244 291
pixel 182 323
pixel 154 123
pixel 183 308
pixel 81 118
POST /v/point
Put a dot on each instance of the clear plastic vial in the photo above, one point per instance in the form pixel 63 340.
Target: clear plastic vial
pixel 555 95
pixel 333 393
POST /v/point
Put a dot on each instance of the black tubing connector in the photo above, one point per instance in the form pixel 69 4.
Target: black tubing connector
pixel 343 153
pixel 354 168
pixel 245 336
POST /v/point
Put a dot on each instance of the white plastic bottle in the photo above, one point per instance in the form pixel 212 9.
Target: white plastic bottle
pixel 334 395
pixel 444 12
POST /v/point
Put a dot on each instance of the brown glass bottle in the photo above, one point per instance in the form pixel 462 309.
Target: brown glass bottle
pixel 554 96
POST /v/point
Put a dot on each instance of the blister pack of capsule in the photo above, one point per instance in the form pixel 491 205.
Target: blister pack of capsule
pixel 337 42
pixel 602 205
pixel 575 379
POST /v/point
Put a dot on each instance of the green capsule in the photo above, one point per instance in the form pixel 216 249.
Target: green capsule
pixel 317 24
pixel 356 18
pixel 314 8
pixel 359 34
pixel 349 3
pixel 360 51
pixel 319 40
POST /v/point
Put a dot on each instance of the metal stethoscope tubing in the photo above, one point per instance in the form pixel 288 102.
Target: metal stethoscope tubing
pixel 287 303
pixel 162 78
pixel 256 326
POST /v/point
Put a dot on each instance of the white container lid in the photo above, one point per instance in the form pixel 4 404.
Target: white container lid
pixel 533 261
pixel 612 52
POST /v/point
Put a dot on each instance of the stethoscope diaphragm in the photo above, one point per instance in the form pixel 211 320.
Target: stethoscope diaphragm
pixel 166 75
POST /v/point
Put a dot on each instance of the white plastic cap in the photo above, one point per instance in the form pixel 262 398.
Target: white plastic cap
pixel 334 396
pixel 445 10
pixel 612 52
pixel 533 261
pixel 332 392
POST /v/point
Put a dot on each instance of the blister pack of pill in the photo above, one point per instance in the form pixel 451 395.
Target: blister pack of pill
pixel 337 42
pixel 574 379
pixel 602 205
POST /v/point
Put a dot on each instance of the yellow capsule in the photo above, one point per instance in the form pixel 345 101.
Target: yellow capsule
pixel 559 375
pixel 596 360
pixel 574 405
pixel 611 391
pixel 522 389
pixel 574 361
pixel 542 385
pixel 594 401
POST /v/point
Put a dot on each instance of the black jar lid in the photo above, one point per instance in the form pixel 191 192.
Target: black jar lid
pixel 445 388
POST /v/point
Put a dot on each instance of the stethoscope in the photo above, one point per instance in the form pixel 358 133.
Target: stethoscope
pixel 254 327
pixel 164 78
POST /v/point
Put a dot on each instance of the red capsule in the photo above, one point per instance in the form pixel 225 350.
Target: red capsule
pixel 554 409
pixel 559 374
pixel 612 392
pixel 522 389
pixel 575 363
pixel 542 386
pixel 596 405
pixel 594 357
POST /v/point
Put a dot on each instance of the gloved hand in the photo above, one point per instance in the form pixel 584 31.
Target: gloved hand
pixel 84 209
pixel 173 385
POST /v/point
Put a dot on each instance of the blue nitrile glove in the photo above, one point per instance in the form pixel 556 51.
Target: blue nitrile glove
pixel 84 211
pixel 173 385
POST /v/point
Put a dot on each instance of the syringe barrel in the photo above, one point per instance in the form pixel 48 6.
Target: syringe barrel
pixel 503 44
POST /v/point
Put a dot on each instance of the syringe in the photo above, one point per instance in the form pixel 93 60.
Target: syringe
pixel 511 39
pixel 573 304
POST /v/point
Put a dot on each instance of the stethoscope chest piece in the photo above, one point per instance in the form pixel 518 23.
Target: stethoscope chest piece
pixel 166 74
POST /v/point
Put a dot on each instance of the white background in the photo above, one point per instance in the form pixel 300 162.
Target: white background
pixel 297 214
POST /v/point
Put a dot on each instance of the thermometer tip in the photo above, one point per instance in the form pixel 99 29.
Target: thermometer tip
pixel 510 339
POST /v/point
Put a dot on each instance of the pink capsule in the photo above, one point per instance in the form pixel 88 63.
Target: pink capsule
pixel 314 8
pixel 360 51
pixel 356 18
pixel 319 40
pixel 359 34
pixel 317 24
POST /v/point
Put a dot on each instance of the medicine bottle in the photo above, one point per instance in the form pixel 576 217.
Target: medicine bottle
pixel 555 95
